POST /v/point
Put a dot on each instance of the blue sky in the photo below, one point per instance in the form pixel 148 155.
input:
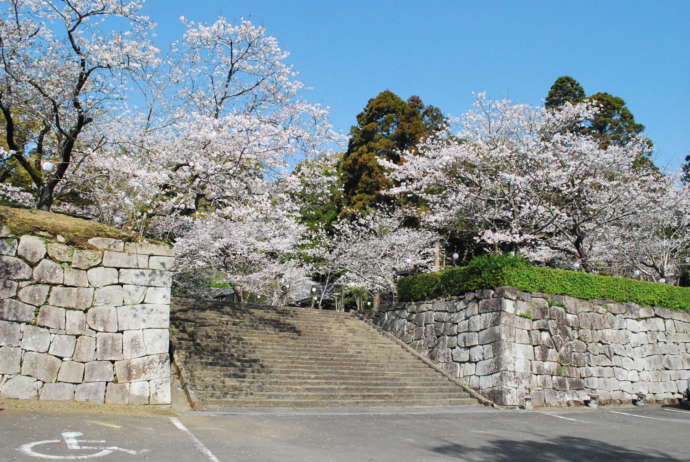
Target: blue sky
pixel 348 51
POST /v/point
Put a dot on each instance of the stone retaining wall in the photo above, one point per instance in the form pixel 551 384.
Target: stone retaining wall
pixel 84 324
pixel 556 349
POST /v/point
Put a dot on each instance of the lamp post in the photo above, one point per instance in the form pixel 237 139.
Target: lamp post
pixel 455 258
pixel 313 297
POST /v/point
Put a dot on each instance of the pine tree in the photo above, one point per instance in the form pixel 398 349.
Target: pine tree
pixel 386 127
pixel 564 90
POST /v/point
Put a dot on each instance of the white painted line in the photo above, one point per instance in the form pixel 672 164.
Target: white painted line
pixel 651 418
pixel 561 417
pixel 197 443
pixel 678 410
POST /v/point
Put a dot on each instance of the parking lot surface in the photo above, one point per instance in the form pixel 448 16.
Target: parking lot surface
pixel 467 434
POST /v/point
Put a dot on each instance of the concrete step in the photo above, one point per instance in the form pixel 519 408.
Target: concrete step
pixel 293 358
pixel 227 404
pixel 343 395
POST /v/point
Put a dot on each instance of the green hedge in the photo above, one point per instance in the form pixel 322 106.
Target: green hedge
pixel 488 272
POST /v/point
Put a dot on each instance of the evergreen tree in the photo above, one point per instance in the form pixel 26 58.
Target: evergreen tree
pixel 564 90
pixel 386 127
pixel 614 123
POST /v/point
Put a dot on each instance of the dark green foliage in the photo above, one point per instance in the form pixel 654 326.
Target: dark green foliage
pixel 564 90
pixel 614 124
pixel 488 272
pixel 386 127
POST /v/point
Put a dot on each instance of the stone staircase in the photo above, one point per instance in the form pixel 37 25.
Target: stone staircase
pixel 267 357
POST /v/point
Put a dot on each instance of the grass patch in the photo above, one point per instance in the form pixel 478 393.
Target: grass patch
pixel 488 272
pixel 76 231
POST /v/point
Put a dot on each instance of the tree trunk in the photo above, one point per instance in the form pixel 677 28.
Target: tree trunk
pixel 376 303
pixel 45 198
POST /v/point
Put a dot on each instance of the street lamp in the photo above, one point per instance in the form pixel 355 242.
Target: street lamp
pixel 455 257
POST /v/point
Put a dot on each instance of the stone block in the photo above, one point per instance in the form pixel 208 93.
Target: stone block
pixel 490 305
pixel 134 295
pixel 486 367
pixel 98 371
pixel 58 392
pixel 76 278
pixel 53 317
pixel 85 259
pixel 31 248
pixel 125 260
pixel 145 368
pixel 100 277
pixel 109 347
pixel 161 296
pixel 133 344
pixel 63 346
pixel 147 248
pixel 10 360
pixel 60 252
pixel 49 271
pixel 138 393
pixel 147 316
pixel 85 350
pixel 109 295
pixel 117 393
pixel 490 335
pixel 8 247
pixel 7 288
pixel 162 263
pixel 20 387
pixel 160 392
pixel 107 243
pixel 71 371
pixel 10 333
pixel 460 355
pixel 15 268
pixel 93 392
pixel 35 294
pixel 102 319
pixel 41 366
pixel 75 323
pixel 35 338
pixel 143 277
pixel 14 310
pixel 71 297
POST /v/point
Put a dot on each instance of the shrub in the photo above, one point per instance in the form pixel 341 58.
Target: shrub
pixel 487 272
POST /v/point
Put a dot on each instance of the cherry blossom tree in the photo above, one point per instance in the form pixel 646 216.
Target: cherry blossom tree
pixel 64 71
pixel 655 244
pixel 253 244
pixel 371 250
pixel 526 182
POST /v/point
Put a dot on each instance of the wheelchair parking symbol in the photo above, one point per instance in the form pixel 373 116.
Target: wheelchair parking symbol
pixel 76 449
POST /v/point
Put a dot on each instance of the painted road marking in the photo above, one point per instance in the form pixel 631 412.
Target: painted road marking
pixel 73 443
pixel 660 419
pixel 678 410
pixel 561 417
pixel 197 442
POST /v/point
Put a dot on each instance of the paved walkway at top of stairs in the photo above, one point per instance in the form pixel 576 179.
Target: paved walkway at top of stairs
pixel 234 356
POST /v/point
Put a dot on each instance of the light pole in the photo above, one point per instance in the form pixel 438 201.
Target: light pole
pixel 455 258
pixel 313 297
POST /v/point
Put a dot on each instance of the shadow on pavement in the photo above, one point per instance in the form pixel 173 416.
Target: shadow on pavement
pixel 567 449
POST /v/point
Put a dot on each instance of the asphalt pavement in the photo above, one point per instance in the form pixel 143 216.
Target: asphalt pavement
pixel 465 434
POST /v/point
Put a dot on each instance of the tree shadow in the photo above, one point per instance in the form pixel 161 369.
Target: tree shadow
pixel 209 340
pixel 560 449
